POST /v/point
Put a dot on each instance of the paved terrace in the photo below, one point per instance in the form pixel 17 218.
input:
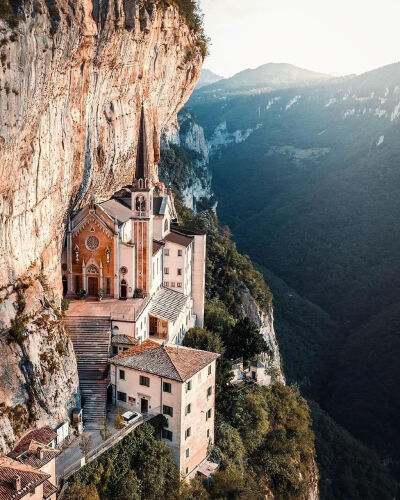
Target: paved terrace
pixel 128 309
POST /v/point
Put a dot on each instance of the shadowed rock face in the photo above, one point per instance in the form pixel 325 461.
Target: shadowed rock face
pixel 74 76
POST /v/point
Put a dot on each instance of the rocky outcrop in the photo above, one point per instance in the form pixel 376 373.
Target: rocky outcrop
pixel 74 76
pixel 265 322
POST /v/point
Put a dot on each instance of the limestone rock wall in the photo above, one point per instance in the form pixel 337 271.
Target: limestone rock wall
pixel 74 76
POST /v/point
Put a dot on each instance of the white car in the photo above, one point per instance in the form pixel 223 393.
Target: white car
pixel 130 417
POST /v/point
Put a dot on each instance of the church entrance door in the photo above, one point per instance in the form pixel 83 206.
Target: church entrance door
pixel 124 290
pixel 93 286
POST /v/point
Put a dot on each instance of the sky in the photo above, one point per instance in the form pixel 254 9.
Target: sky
pixel 331 36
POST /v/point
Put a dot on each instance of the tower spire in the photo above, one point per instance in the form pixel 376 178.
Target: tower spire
pixel 142 160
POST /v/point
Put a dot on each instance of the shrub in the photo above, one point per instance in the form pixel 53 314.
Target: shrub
pixel 64 304
pixel 17 331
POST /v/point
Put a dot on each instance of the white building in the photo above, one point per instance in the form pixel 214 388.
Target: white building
pixel 177 382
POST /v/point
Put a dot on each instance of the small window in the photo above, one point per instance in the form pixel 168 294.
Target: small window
pixel 144 381
pixel 179 271
pixel 208 414
pixel 168 410
pixel 166 226
pixel 121 396
pixel 209 392
pixel 187 452
pixel 166 283
pixel 179 285
pixel 166 270
pixel 188 385
pixel 131 400
pixel 166 252
pixel 115 349
pixel 173 284
pixel 188 432
pixel 188 409
pixel 108 286
pixel 122 374
pixel 179 253
pixel 187 470
pixel 209 370
pixel 208 433
pixel 166 434
pixel 166 387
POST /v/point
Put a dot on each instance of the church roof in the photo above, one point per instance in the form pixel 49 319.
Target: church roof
pixel 172 362
pixel 168 304
pixel 142 160
pixel 116 209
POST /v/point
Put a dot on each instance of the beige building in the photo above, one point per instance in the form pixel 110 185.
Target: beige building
pixel 29 470
pixel 177 382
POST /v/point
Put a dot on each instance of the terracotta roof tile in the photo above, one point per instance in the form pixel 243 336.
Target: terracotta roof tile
pixel 48 489
pixel 43 436
pixel 173 362
pixel 30 479
pixel 121 338
pixel 179 239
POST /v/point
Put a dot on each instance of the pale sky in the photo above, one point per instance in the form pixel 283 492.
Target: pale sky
pixel 332 36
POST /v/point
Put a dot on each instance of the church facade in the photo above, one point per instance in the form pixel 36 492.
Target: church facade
pixel 130 248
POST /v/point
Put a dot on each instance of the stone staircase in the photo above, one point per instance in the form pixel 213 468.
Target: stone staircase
pixel 91 339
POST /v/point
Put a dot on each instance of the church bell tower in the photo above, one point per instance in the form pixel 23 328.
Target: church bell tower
pixel 142 209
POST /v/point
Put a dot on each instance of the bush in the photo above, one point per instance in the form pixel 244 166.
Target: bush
pixel 65 304
pixel 17 331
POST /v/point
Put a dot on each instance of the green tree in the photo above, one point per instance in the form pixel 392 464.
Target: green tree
pixel 245 341
pixel 128 487
pixel 227 483
pixel 200 338
pixel 78 491
pixel 230 448
pixel 193 490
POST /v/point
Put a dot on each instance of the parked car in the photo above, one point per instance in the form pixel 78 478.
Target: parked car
pixel 130 417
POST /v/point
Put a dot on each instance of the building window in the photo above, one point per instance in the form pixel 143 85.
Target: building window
pixel 179 253
pixel 179 271
pixel 166 434
pixel 209 370
pixel 168 410
pixel 144 381
pixel 188 409
pixel 209 392
pixel 179 285
pixel 187 470
pixel 115 349
pixel 121 396
pixel 166 251
pixel 166 283
pixel 166 227
pixel 166 270
pixel 166 387
pixel 188 432
pixel 108 286
pixel 122 374
pixel 208 433
pixel 208 414
pixel 131 400
pixel 173 284
pixel 188 385
pixel 187 453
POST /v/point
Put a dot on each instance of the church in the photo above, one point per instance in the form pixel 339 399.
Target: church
pixel 127 258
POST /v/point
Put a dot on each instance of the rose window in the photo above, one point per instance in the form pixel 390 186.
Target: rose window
pixel 92 243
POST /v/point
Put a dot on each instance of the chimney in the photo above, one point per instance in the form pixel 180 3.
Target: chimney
pixel 17 482
pixel 40 453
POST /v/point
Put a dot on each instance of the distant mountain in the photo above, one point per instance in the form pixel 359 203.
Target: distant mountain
pixel 308 179
pixel 270 76
pixel 207 77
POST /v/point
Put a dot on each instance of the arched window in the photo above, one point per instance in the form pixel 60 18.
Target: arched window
pixel 140 203
pixel 166 226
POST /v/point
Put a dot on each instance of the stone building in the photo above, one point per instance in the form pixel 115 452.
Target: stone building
pixel 177 382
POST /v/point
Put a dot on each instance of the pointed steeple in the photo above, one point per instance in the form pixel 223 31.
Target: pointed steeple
pixel 142 160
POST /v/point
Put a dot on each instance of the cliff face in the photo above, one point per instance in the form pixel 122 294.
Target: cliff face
pixel 74 76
